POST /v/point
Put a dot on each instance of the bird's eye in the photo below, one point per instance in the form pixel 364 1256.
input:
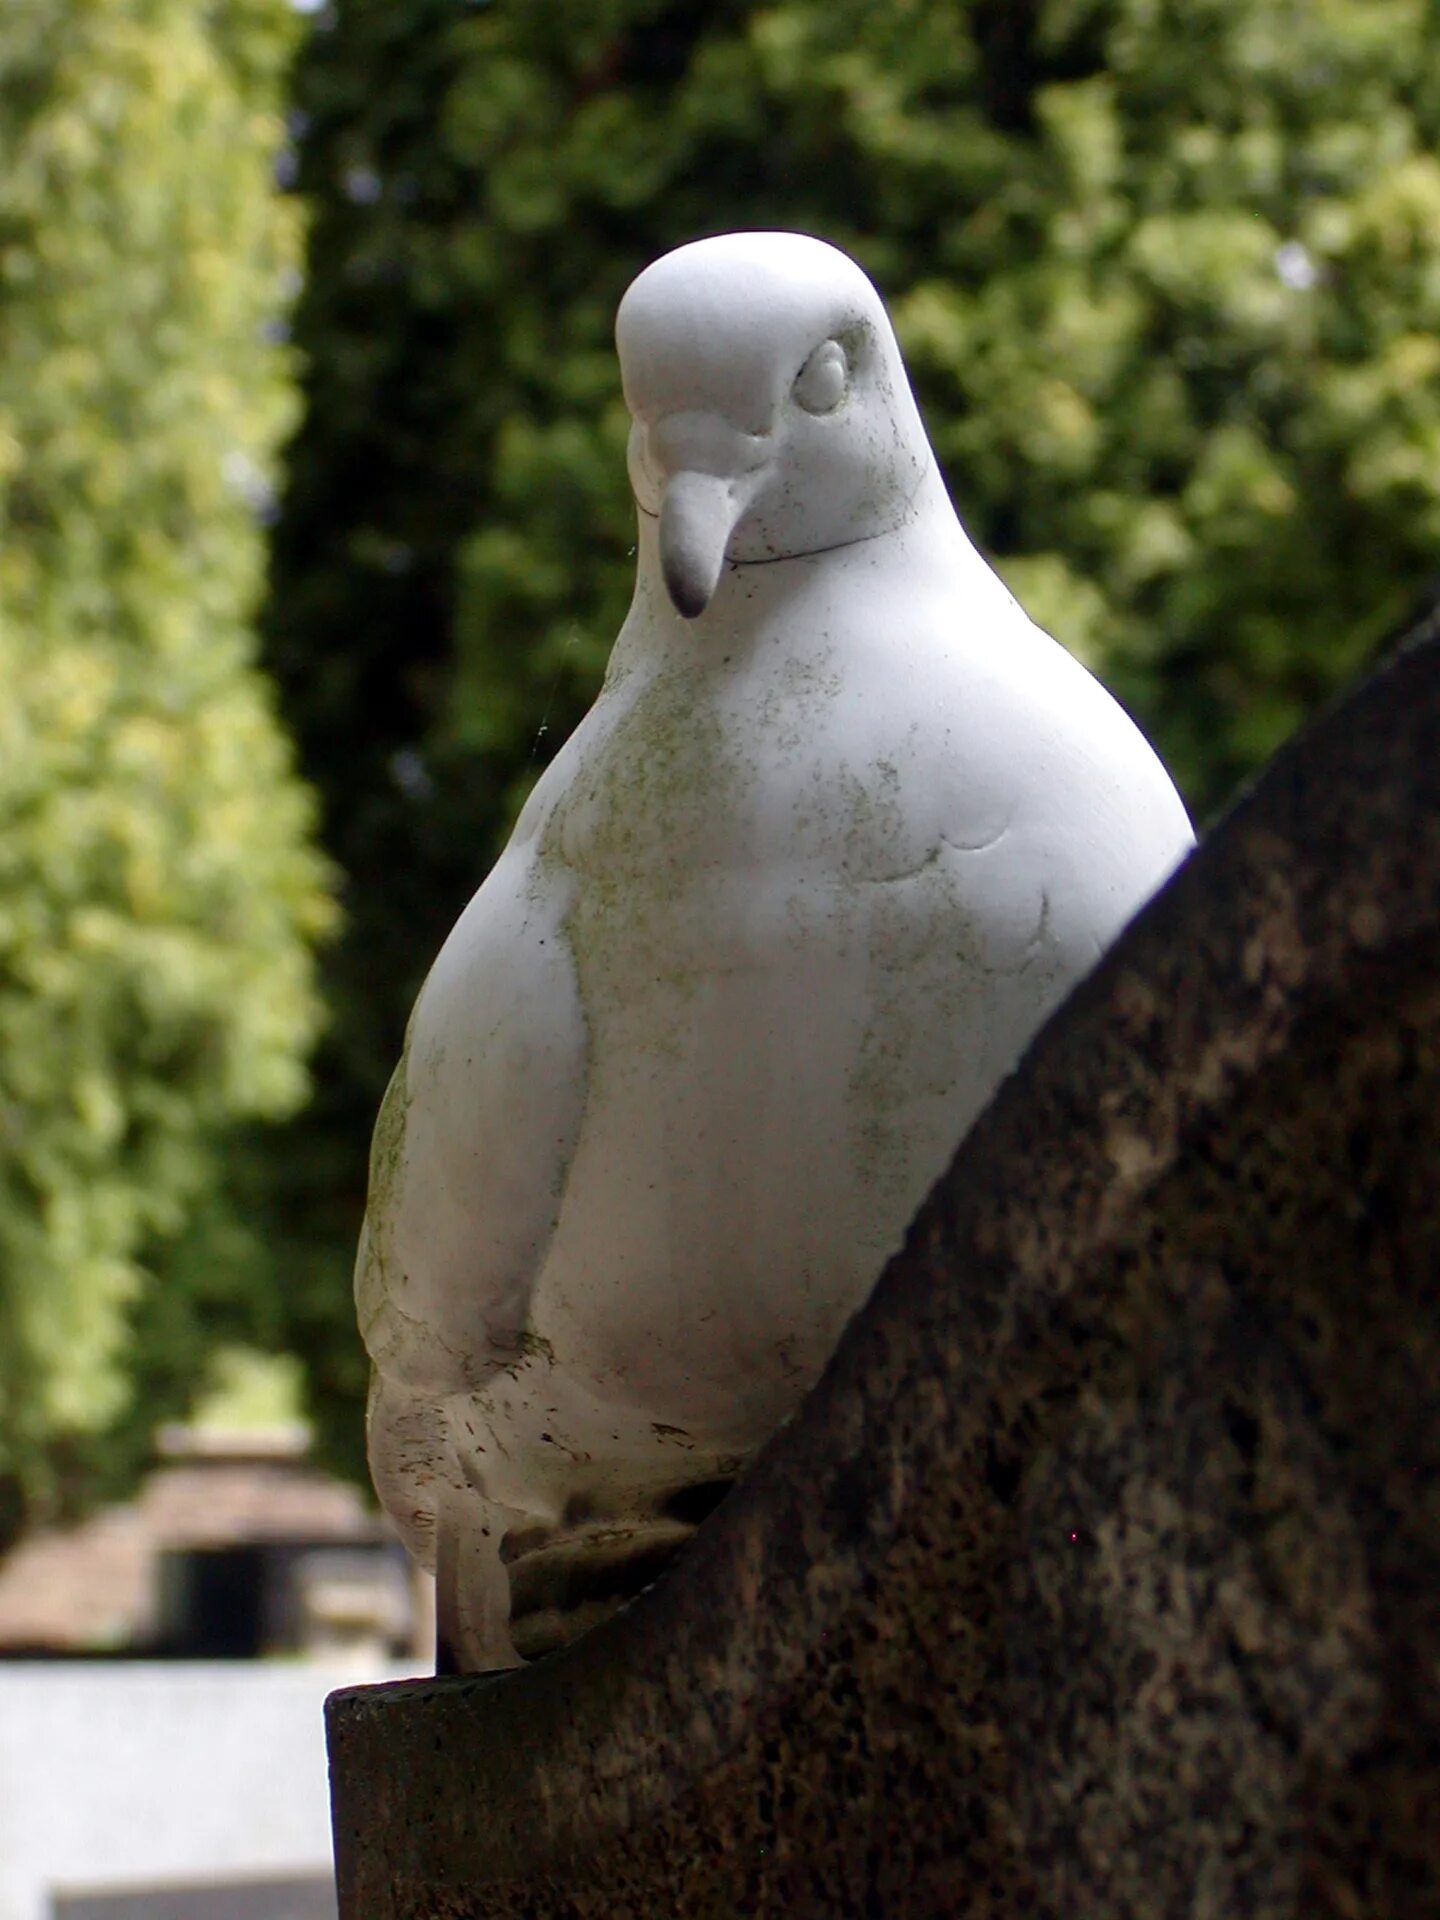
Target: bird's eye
pixel 821 382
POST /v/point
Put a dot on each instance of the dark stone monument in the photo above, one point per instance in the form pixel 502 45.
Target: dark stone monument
pixel 1100 1574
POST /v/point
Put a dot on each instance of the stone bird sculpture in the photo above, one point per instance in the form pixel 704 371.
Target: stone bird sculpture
pixel 841 829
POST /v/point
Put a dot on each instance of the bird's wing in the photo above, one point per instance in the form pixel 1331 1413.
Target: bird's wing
pixel 475 1137
pixel 467 1170
pixel 1096 826
pixel 1045 829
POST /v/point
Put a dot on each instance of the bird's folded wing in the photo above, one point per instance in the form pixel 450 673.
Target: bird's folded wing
pixel 474 1140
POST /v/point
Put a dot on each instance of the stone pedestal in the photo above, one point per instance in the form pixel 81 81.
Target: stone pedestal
pixel 1100 1575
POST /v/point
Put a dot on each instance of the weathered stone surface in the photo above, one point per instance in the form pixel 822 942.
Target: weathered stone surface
pixel 1100 1576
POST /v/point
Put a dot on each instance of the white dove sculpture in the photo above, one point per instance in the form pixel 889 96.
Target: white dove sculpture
pixel 839 832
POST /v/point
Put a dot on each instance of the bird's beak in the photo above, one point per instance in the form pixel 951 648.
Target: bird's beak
pixel 701 473
pixel 698 514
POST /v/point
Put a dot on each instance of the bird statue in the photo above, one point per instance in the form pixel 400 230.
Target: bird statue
pixel 840 830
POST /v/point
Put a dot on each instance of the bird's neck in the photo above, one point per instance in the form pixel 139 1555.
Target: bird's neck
pixel 929 542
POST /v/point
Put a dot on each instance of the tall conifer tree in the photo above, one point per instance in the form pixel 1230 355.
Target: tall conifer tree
pixel 159 887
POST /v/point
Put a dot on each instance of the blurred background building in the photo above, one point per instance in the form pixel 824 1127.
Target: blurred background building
pixel 234 1547
pixel 163 1668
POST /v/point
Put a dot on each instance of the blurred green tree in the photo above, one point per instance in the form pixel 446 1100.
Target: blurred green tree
pixel 160 891
pixel 1166 272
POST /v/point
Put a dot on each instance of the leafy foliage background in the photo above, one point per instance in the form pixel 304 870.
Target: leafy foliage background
pixel 160 892
pixel 1167 274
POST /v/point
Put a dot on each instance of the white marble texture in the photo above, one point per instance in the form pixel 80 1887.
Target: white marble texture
pixel 840 831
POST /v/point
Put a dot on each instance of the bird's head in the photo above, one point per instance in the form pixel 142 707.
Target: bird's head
pixel 772 414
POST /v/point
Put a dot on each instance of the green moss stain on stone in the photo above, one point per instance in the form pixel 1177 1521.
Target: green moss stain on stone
pixel 923 999
pixel 373 1275
pixel 387 1144
pixel 871 823
pixel 634 825
pixel 532 1346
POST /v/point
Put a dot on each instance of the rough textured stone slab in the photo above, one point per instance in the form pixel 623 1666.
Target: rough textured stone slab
pixel 1100 1576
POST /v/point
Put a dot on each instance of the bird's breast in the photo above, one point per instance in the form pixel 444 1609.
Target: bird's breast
pixel 789 983
pixel 812 759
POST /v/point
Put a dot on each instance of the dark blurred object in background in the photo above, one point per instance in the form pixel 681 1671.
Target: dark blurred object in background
pixel 235 1548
